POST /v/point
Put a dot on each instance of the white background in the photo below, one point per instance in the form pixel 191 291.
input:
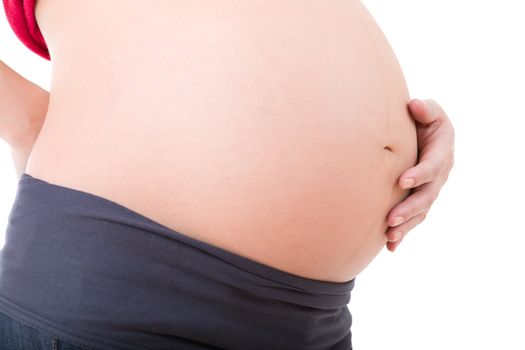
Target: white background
pixel 457 280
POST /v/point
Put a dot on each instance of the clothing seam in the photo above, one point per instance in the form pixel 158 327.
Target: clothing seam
pixel 27 317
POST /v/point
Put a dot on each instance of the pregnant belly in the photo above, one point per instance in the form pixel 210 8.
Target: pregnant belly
pixel 277 134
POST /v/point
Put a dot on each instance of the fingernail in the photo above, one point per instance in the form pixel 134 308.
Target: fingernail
pixel 398 220
pixel 408 183
pixel 397 236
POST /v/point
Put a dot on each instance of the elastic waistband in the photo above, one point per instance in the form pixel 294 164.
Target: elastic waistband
pixel 92 252
pixel 91 209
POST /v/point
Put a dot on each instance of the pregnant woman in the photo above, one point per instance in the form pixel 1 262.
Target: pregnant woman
pixel 206 174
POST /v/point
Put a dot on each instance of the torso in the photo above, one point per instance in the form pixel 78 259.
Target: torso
pixel 256 126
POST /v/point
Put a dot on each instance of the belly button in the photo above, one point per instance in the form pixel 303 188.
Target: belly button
pixel 389 148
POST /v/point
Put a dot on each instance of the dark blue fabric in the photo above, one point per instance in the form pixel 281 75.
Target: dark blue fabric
pixel 102 276
pixel 15 335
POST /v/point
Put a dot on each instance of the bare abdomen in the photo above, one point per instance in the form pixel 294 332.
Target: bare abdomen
pixel 259 129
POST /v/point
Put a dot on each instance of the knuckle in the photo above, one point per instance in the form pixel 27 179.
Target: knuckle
pixel 430 201
pixel 433 168
pixel 410 214
pixel 436 171
pixel 436 109
pixel 450 164
pixel 437 191
pixel 431 102
pixel 445 177
pixel 434 196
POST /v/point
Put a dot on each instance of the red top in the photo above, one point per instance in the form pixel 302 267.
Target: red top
pixel 21 16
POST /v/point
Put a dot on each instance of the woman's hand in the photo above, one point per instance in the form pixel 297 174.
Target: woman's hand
pixel 435 139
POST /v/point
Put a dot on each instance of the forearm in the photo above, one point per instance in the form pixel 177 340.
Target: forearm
pixel 23 107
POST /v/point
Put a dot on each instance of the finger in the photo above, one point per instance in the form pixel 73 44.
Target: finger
pixel 398 232
pixel 419 200
pixel 428 169
pixel 426 111
pixel 392 246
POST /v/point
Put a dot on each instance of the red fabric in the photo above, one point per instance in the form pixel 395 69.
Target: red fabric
pixel 21 17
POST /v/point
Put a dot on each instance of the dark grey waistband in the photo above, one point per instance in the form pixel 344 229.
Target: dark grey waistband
pixel 109 277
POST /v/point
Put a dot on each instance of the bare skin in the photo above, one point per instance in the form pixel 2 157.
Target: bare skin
pixel 297 171
pixel 23 106
pixel 436 138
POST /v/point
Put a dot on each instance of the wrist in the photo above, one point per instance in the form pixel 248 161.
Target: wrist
pixel 24 133
pixel 25 124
